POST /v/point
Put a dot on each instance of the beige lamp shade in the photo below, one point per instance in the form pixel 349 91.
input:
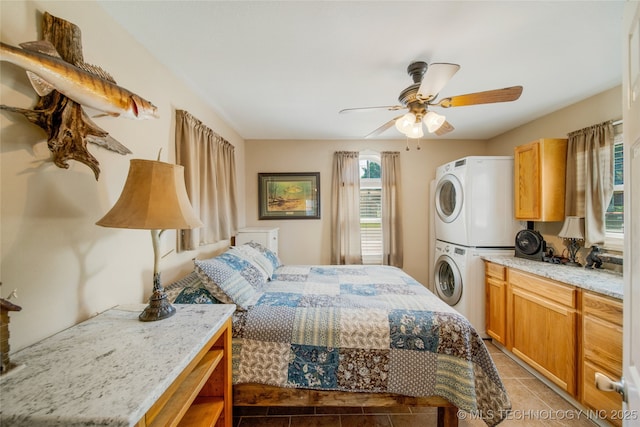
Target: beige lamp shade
pixel 154 197
pixel 573 228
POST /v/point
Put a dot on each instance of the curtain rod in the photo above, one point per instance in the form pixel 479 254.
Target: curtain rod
pixel 617 122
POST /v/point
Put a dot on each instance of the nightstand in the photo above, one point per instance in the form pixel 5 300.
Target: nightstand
pixel 115 370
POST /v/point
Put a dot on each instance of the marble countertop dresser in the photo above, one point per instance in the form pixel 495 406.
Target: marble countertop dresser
pixel 108 370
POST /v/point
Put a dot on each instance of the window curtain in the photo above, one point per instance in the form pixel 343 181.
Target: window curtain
pixel 589 178
pixel 345 209
pixel 210 178
pixel 392 253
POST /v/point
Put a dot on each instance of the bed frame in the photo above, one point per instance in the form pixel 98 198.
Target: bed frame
pixel 265 395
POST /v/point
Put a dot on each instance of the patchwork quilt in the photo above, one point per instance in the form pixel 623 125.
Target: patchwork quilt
pixel 364 329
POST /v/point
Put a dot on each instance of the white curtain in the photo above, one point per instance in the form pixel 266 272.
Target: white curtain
pixel 392 253
pixel 589 178
pixel 345 209
pixel 210 178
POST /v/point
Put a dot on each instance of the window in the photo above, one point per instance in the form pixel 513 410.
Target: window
pixel 614 217
pixel 370 209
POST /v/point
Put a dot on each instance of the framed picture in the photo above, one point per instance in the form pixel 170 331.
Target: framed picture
pixel 289 195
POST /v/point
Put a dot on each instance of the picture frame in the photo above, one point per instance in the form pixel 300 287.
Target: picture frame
pixel 289 195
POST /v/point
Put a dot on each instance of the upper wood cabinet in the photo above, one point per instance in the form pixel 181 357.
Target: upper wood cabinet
pixel 539 172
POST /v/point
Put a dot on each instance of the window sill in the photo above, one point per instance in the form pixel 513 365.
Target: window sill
pixel 613 243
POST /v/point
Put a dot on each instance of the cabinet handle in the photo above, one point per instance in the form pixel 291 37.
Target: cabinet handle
pixel 604 383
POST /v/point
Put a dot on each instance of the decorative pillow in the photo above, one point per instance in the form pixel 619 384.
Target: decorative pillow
pixel 254 257
pixel 195 296
pixel 189 281
pixel 267 253
pixel 230 279
pixel 251 272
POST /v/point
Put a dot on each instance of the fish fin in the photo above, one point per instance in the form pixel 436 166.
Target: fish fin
pixel 40 85
pixel 41 46
pixel 106 115
pixel 109 143
pixel 96 71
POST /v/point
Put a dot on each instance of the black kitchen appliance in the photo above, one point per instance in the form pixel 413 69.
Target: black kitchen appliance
pixel 529 244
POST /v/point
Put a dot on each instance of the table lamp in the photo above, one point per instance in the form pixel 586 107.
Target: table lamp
pixel 573 230
pixel 154 198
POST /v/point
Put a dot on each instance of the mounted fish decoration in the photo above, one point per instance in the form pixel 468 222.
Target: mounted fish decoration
pixel 57 63
pixel 95 88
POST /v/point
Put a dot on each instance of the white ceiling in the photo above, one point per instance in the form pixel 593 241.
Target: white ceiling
pixel 283 69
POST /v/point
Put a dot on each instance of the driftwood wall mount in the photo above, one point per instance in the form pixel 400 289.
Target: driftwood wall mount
pixel 68 127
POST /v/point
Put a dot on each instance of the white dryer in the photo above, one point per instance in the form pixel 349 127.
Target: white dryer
pixel 474 202
pixel 459 279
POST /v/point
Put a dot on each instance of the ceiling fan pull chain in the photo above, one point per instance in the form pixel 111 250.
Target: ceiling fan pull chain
pixel 407 147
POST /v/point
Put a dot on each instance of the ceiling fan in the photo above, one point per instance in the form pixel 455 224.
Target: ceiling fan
pixel 428 80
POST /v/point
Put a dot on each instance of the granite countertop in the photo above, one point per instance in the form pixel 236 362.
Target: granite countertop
pixel 601 281
pixel 108 370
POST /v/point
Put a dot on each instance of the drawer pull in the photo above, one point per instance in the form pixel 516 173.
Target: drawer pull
pixel 604 383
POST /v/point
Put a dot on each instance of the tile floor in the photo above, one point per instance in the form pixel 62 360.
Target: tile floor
pixel 534 404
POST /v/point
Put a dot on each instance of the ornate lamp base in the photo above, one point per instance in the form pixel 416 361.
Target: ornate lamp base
pixel 159 308
pixel 573 247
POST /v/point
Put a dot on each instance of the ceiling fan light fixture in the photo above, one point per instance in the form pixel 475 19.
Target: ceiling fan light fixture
pixel 433 121
pixel 405 123
pixel 416 131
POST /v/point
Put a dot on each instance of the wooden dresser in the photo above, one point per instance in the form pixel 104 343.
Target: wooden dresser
pixel 115 370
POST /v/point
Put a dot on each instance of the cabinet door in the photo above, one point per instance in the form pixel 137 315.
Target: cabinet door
pixel 527 184
pixel 544 336
pixel 602 351
pixel 539 173
pixel 608 402
pixel 496 309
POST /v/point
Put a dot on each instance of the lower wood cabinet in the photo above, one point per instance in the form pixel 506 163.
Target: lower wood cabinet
pixel 602 351
pixel 564 332
pixel 496 302
pixel 544 327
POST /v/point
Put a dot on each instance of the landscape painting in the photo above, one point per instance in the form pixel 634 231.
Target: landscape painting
pixel 290 195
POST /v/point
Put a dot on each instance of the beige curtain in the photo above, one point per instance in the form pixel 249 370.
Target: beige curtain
pixel 345 209
pixel 391 209
pixel 589 179
pixel 210 178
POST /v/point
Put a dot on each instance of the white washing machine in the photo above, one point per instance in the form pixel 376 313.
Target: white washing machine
pixel 459 279
pixel 474 202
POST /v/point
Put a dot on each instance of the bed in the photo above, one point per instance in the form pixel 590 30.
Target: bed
pixel 344 336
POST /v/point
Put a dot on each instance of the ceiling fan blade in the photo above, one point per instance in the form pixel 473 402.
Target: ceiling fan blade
pixel 435 79
pixel 444 129
pixel 498 95
pixel 362 109
pixel 383 127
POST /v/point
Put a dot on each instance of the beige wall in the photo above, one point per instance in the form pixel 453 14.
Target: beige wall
pixel 557 124
pixel 64 267
pixel 308 241
pixel 596 109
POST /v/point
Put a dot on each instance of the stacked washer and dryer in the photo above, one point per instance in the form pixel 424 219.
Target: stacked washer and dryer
pixel 473 204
